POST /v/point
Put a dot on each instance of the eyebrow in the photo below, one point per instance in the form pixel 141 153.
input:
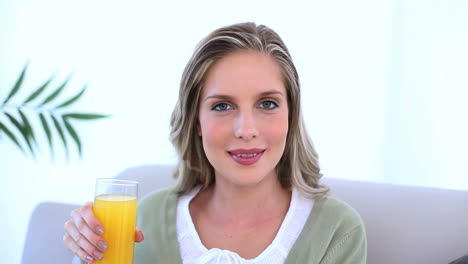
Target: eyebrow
pixel 227 97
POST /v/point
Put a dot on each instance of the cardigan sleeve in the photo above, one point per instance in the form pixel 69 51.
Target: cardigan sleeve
pixel 350 249
pixel 157 220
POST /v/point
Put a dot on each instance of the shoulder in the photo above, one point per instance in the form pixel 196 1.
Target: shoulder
pixel 337 213
pixel 331 218
pixel 335 219
pixel 346 232
pixel 157 203
pixel 333 233
pixel 163 195
pixel 157 220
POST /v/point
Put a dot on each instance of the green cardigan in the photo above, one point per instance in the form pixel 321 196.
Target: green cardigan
pixel 333 233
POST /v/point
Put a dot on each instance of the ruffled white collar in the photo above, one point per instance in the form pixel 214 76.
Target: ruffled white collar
pixel 194 252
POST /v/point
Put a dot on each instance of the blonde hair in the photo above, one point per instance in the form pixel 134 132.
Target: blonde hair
pixel 298 167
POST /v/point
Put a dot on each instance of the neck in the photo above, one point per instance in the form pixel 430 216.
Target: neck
pixel 244 204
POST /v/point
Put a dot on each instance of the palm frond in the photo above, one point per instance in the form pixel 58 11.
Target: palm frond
pixel 38 91
pixel 82 116
pixel 73 134
pixel 46 127
pixel 11 136
pixel 73 99
pixel 56 92
pixel 23 127
pixel 58 126
pixel 27 126
pixel 17 85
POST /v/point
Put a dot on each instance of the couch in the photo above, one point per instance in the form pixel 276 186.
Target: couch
pixel 404 224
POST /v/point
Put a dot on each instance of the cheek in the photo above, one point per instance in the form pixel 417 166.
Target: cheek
pixel 276 130
pixel 213 133
pixel 276 138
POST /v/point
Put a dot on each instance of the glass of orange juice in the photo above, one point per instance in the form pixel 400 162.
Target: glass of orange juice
pixel 115 206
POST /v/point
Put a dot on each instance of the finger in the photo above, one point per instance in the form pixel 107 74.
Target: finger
pixel 87 247
pixel 81 228
pixel 73 247
pixel 79 241
pixel 138 235
pixel 71 230
pixel 90 218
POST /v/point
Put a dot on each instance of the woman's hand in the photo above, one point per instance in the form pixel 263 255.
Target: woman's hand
pixel 83 234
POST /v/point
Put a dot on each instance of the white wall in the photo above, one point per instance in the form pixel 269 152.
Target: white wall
pixel 383 87
pixel 425 105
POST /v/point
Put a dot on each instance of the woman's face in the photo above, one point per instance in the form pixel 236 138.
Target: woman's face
pixel 244 118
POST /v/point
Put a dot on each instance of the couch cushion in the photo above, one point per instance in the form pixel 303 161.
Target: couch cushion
pixel 407 224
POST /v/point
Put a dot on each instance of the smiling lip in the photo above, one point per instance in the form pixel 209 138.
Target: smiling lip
pixel 246 156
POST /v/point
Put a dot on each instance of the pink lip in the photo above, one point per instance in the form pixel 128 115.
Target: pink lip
pixel 246 160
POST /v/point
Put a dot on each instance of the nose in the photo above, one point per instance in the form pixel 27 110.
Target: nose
pixel 246 127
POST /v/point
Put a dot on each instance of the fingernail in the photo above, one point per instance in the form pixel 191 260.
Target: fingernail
pixel 89 259
pixel 99 230
pixel 102 245
pixel 98 255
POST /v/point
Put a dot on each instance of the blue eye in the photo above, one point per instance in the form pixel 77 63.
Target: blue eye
pixel 268 105
pixel 221 107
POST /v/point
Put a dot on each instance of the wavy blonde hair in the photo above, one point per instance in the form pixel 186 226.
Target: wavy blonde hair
pixel 298 167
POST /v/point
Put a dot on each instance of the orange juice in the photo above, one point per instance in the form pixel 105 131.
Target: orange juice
pixel 117 214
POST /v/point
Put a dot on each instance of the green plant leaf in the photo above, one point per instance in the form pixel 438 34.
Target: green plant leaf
pixel 11 136
pixel 82 116
pixel 38 91
pixel 17 85
pixel 73 134
pixel 21 128
pixel 45 125
pixel 73 99
pixel 27 126
pixel 60 131
pixel 56 92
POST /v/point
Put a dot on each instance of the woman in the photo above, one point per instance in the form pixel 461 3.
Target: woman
pixel 247 188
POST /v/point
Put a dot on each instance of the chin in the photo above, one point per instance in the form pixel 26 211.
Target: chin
pixel 247 177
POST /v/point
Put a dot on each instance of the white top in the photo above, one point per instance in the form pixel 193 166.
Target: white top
pixel 194 252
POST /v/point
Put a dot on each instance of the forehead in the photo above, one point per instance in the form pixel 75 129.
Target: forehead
pixel 243 72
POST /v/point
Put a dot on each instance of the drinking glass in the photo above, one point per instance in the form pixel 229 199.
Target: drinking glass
pixel 115 206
